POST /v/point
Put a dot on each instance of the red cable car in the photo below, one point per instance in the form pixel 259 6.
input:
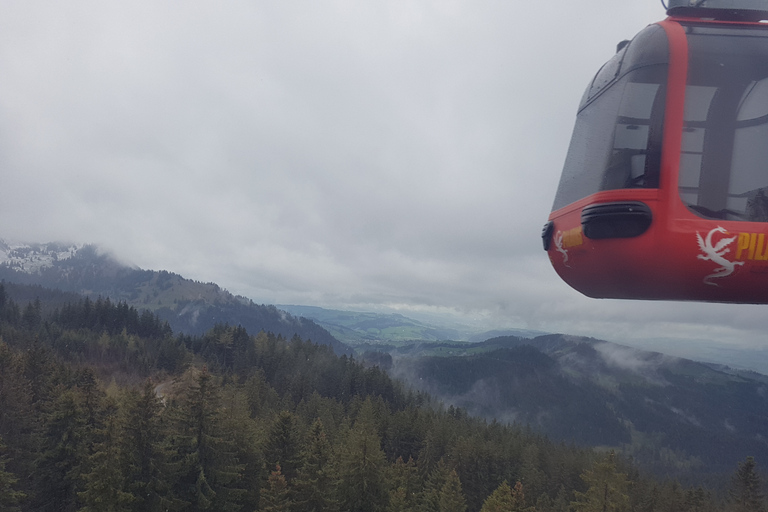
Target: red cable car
pixel 664 191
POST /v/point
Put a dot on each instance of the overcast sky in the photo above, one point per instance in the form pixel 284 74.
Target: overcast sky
pixel 351 154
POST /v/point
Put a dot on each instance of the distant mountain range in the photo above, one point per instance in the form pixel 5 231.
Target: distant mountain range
pixel 366 328
pixel 188 306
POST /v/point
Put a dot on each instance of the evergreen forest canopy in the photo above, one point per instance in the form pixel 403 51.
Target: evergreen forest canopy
pixel 103 407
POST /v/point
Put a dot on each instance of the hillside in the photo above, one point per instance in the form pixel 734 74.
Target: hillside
pixel 188 306
pixel 673 415
pixel 104 408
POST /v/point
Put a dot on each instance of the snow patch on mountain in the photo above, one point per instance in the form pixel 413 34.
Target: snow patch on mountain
pixel 32 258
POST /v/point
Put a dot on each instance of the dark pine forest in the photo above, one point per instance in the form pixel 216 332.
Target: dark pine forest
pixel 105 408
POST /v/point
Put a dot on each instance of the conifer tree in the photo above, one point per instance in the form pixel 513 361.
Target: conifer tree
pixel 315 483
pixel 243 349
pixel 518 498
pixel 206 470
pixel 645 495
pixel 262 399
pixel 698 500
pixel 32 316
pixel 10 497
pixel 607 488
pixel 284 445
pixel 404 435
pixel 275 497
pixel 531 476
pixel 430 497
pixel 18 423
pixel 246 437
pixel 105 483
pixel 91 397
pixel 746 493
pixel 404 486
pixel 399 501
pixel 9 310
pixel 672 496
pixel 506 499
pixel 560 503
pixel 64 454
pixel 438 438
pixel 143 454
pixel 38 369
pixel 451 496
pixel 363 486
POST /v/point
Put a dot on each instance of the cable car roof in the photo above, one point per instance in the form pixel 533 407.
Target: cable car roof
pixel 745 10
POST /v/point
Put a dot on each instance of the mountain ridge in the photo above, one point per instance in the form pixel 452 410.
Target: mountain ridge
pixel 188 306
pixel 674 415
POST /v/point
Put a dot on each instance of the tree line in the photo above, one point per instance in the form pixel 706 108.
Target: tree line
pixel 99 412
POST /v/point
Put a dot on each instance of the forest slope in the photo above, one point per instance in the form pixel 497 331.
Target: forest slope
pixel 258 422
pixel 672 415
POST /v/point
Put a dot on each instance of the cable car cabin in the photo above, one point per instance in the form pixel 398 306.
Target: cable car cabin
pixel 664 192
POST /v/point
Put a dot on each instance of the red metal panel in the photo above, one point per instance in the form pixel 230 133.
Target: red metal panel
pixel 681 256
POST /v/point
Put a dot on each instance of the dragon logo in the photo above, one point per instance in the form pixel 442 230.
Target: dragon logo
pixel 559 247
pixel 715 254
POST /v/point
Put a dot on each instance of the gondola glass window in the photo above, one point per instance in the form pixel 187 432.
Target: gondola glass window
pixel 616 142
pixel 724 152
